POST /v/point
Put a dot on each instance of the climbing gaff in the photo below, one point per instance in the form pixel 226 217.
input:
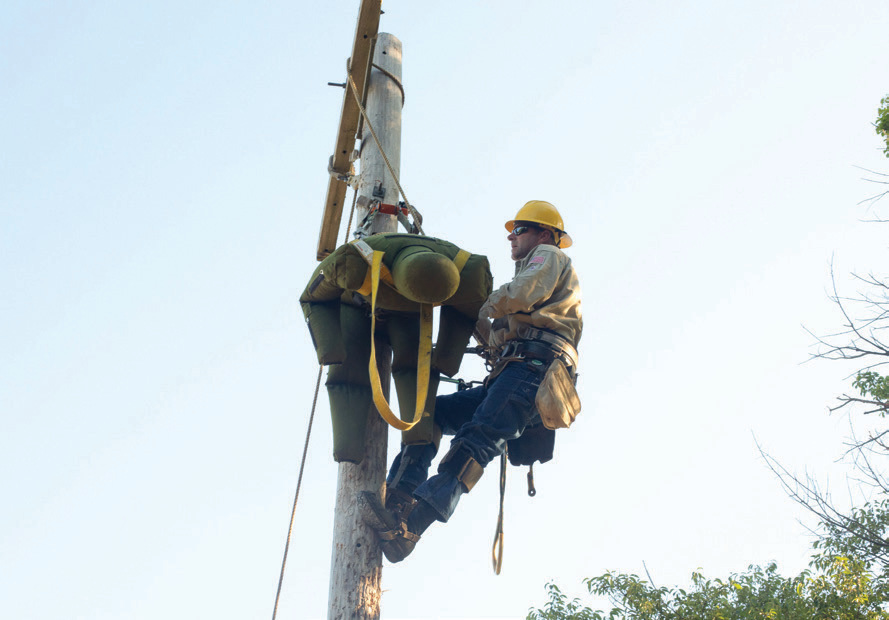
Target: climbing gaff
pixel 337 304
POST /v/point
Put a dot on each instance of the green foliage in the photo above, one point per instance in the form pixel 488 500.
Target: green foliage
pixel 844 590
pixel 872 385
pixel 863 534
pixel 560 608
pixel 882 124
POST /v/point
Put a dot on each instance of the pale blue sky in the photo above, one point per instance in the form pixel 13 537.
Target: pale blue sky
pixel 162 173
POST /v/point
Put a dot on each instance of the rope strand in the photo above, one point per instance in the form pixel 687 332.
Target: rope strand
pixel 497 549
pixel 351 214
pixel 302 466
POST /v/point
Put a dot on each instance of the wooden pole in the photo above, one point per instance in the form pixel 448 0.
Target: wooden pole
pixel 356 565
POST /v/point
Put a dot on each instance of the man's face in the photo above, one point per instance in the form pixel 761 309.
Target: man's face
pixel 527 240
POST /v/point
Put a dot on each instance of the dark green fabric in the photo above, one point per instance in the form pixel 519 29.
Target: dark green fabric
pixel 345 269
pixel 339 322
pixel 348 387
pixel 350 406
pixel 324 326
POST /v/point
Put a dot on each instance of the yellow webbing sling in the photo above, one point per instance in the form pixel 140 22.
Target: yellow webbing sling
pixel 367 253
pixel 424 356
pixel 460 259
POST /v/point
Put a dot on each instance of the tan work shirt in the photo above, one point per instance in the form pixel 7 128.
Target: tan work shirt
pixel 545 293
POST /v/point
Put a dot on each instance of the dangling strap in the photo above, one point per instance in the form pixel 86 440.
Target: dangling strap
pixel 424 358
pixel 497 548
pixel 371 285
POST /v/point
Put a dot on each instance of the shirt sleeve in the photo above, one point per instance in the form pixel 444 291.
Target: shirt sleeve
pixel 534 284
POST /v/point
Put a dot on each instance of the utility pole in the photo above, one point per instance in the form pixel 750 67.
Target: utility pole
pixel 356 565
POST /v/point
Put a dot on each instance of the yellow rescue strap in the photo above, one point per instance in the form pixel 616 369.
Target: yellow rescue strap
pixel 371 285
pixel 460 259
pixel 367 253
pixel 424 357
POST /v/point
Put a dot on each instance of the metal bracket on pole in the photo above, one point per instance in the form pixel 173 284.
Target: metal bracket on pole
pixel 350 178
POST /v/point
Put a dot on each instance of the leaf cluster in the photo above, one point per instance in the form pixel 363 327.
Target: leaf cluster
pixel 843 590
pixel 882 124
pixel 861 534
pixel 873 385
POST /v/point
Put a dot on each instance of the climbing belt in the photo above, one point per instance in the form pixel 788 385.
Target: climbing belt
pixel 302 466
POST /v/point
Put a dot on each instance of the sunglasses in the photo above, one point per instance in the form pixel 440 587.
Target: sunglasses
pixel 520 230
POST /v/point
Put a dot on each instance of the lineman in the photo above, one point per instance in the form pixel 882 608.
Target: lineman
pixel 537 323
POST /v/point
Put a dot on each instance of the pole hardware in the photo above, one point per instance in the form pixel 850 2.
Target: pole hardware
pixel 375 206
pixel 349 178
pixel 340 84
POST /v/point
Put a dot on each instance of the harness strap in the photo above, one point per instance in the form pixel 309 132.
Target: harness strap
pixel 375 271
pixel 460 259
pixel 367 254
pixel 424 357
pixel 399 532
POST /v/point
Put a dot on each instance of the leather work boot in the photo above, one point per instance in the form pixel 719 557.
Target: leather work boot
pixel 396 540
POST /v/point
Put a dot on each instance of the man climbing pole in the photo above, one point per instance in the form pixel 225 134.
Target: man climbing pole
pixel 536 327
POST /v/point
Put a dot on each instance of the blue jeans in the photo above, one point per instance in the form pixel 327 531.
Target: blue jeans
pixel 482 420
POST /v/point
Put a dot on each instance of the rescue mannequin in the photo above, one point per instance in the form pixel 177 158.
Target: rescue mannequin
pixel 537 325
pixel 415 270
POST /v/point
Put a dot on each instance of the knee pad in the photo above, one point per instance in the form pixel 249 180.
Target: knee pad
pixel 459 462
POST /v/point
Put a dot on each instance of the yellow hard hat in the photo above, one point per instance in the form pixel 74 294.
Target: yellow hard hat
pixel 545 214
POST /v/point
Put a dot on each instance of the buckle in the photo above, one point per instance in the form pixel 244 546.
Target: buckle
pixel 509 349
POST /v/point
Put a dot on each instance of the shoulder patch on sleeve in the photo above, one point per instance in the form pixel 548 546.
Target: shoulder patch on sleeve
pixel 537 259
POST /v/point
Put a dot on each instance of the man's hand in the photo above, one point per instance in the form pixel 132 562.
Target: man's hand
pixel 483 331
